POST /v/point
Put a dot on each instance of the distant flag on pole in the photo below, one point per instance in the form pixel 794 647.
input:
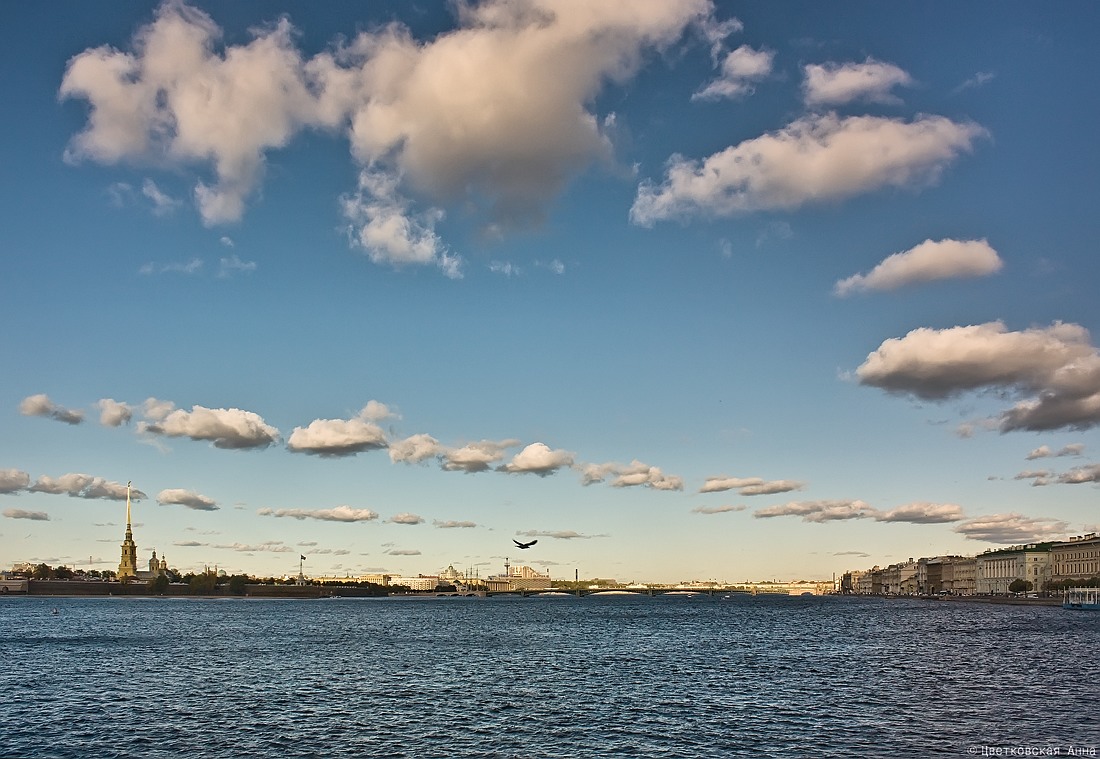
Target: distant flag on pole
pixel 303 558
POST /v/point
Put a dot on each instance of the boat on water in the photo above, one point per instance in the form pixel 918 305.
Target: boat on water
pixel 1082 598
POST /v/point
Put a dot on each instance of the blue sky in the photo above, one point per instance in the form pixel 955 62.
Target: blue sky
pixel 682 290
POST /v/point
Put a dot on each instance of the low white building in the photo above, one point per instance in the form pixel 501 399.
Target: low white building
pixel 995 571
pixel 420 582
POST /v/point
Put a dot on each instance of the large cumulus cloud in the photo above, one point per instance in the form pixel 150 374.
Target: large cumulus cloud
pixel 817 158
pixel 1054 371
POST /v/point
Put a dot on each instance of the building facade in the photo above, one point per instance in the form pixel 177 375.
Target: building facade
pixel 1075 559
pixel 995 571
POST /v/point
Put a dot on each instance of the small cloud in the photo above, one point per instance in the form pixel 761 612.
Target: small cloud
pixel 741 69
pixel 506 268
pixel 188 543
pixel 234 265
pixel 84 486
pixel 930 261
pixel 818 511
pixel 634 474
pixel 450 525
pixel 338 514
pixel 716 509
pixel 859 554
pixel 41 405
pixel 1012 529
pixel 226 428
pixel 1081 475
pixel 341 437
pixel 748 486
pixel 227 241
pixel 831 84
pixel 558 534
pixel 922 513
pixel 539 459
pixel 403 552
pixel 113 413
pixel 415 449
pixel 406 518
pixel 1043 451
pixel 36 516
pixel 980 79
pixel 13 480
pixel 186 498
pixel 476 457
pixel 163 204
pixel 193 266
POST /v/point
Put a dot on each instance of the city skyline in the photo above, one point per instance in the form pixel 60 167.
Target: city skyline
pixel 680 290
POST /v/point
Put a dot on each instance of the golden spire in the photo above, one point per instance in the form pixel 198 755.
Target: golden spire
pixel 128 531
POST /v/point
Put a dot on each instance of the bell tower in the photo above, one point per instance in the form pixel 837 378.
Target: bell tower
pixel 127 568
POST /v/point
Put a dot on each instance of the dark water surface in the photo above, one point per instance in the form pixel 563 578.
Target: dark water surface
pixel 544 677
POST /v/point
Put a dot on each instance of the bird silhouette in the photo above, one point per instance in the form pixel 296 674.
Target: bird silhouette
pixel 523 546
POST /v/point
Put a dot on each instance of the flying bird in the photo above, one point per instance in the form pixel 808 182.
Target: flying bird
pixel 523 546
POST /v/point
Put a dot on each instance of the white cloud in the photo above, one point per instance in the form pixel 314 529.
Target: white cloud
pixel 272 546
pixel 978 80
pixel 341 437
pixel 1081 475
pixel 818 511
pixel 1055 370
pixel 84 486
pixel 506 268
pixel 156 410
pixel 186 498
pixel 192 266
pixel 177 98
pixel 818 158
pixel 931 260
pixel 1012 529
pixel 234 264
pixel 226 428
pixel 749 485
pixel 383 224
pixel 634 474
pixel 1044 451
pixel 162 204
pixel 638 474
pixel 415 449
pixel 717 509
pixel 452 524
pixel 403 552
pixel 740 70
pixel 406 518
pixel 113 413
pixel 476 457
pixel 499 110
pixel 495 115
pixel 537 458
pixel 41 405
pixel 13 480
pixel 338 514
pixel 922 513
pixel 36 516
pixel 832 84
pixel 557 534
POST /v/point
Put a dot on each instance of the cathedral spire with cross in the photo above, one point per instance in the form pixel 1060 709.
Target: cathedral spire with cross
pixel 127 568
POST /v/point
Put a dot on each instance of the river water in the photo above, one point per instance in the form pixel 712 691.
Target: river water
pixel 544 677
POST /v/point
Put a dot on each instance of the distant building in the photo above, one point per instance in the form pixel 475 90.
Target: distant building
pixel 420 582
pixel 518 578
pixel 1075 559
pixel 996 570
